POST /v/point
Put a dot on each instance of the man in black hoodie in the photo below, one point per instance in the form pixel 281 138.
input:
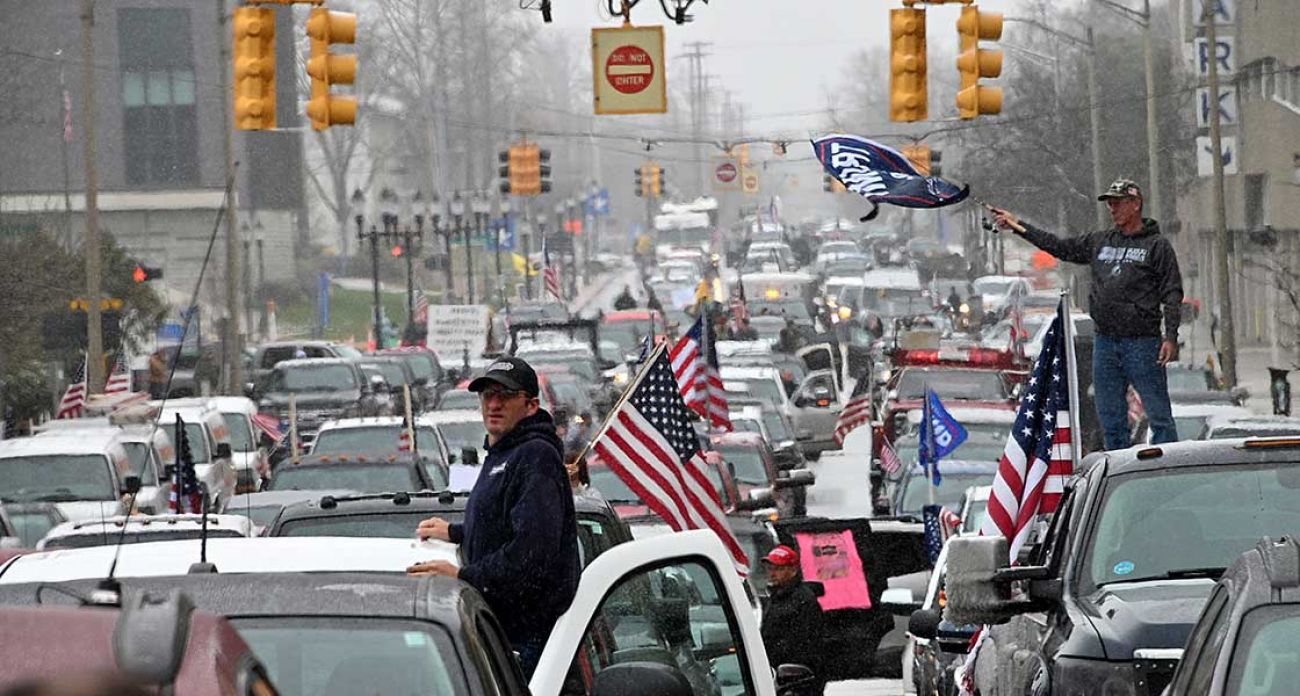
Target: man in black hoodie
pixel 519 540
pixel 1134 277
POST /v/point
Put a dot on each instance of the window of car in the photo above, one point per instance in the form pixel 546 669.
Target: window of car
pixel 196 435
pixel 392 372
pixel 463 434
pixel 1182 379
pixel 1264 661
pixel 389 524
pixel 960 384
pixel 746 463
pixel 314 378
pixel 776 427
pixel 141 456
pixel 916 493
pixel 675 614
pixel 241 436
pixel 1199 649
pixel 459 400
pixel 611 487
pixel 334 655
pixel 363 478
pixel 56 478
pixel 377 439
pixel 31 525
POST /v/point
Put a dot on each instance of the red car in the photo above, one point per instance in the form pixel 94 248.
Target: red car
pixel 973 378
pixel 749 459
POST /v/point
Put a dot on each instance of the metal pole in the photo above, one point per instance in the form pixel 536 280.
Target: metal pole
pixel 1094 109
pixel 469 259
pixel 94 335
pixel 1153 132
pixel 410 276
pixel 1227 333
pixel 374 272
pixel 528 261
pixel 234 333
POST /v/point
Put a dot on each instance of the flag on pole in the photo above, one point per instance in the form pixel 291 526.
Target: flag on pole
pixel 550 273
pixel 74 397
pixel 186 495
pixel 421 309
pixel 268 425
pixel 695 366
pixel 882 174
pixel 856 412
pixel 1039 457
pixel 941 437
pixel 890 464
pixel 119 382
pixel 648 441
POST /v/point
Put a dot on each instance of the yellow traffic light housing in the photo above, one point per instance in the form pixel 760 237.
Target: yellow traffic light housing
pixel 908 90
pixel 645 180
pixel 656 180
pixel 254 68
pixel 327 28
pixel 919 156
pixel 975 63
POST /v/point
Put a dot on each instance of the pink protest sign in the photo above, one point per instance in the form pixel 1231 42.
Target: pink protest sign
pixel 831 558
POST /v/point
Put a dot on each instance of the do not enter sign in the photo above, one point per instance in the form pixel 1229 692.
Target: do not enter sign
pixel 628 71
pixel 726 172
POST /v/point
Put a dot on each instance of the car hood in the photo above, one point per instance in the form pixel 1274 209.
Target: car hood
pixel 1156 614
pixel 88 510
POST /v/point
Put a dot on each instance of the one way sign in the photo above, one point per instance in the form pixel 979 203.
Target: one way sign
pixel 1205 155
pixel 1227 106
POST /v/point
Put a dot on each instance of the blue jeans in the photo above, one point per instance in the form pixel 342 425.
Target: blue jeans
pixel 530 651
pixel 1118 363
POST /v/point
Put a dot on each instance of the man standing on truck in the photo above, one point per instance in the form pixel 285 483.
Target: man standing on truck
pixel 1134 277
pixel 519 540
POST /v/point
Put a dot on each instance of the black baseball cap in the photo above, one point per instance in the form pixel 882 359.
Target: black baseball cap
pixel 511 373
pixel 1121 188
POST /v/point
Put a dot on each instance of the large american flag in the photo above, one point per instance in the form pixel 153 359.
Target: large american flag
pixel 1038 459
pixel 550 273
pixel 856 412
pixel 74 397
pixel 650 443
pixel 119 382
pixel 695 366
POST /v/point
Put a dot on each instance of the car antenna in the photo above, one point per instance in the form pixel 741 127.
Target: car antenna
pixel 203 567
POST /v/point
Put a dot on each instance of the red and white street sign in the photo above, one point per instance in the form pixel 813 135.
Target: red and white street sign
pixel 726 172
pixel 628 72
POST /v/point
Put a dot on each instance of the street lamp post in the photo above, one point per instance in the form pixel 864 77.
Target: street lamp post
pixel 458 215
pixel 373 237
pixel 480 206
pixel 437 217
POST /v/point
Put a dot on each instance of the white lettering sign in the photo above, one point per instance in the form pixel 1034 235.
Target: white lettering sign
pixel 455 328
pixel 1223 52
pixel 1227 106
pixel 1205 155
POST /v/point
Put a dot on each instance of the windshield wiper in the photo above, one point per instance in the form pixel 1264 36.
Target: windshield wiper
pixel 63 495
pixel 1211 572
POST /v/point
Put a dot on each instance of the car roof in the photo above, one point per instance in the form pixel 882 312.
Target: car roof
pixel 628 315
pixel 750 439
pixel 1190 453
pixel 366 422
pixel 313 362
pixel 1184 409
pixel 748 372
pixel 230 555
pixel 459 415
pixel 61 442
pixel 972 416
pixel 424 501
pixel 144 523
pixel 1251 419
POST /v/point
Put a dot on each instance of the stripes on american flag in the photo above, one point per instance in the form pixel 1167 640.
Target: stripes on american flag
pixel 856 412
pixel 890 464
pixel 1038 459
pixel 74 397
pixel 695 366
pixel 119 382
pixel 551 274
pixel 268 425
pixel 421 309
pixel 186 495
pixel 650 444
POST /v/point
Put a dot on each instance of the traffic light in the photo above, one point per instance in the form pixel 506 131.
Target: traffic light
pixel 908 91
pixel 144 273
pixel 543 163
pixel 656 180
pixel 327 28
pixel 643 180
pixel 396 251
pixel 974 63
pixel 919 156
pixel 525 172
pixel 254 69
pixel 504 170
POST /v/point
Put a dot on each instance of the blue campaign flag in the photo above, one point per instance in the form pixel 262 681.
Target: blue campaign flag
pixel 882 174
pixel 941 435
pixel 933 530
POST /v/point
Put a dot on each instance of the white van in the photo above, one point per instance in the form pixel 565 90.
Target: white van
pixel 209 438
pixel 251 461
pixel 83 472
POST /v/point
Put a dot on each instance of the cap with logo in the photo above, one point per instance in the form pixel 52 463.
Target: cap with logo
pixel 1121 188
pixel 782 556
pixel 511 373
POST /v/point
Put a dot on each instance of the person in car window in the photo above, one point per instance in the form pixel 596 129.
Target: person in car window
pixel 793 624
pixel 519 540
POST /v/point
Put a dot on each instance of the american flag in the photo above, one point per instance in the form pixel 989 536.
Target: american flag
pixel 74 398
pixel 650 443
pixel 421 309
pixel 856 412
pixel 186 495
pixel 890 464
pixel 695 366
pixel 404 436
pixel 550 273
pixel 268 425
pixel 119 382
pixel 1038 459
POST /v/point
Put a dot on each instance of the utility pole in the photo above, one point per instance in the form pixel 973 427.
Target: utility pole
pixel 1098 183
pixel 234 337
pixel 94 327
pixel 1222 245
pixel 697 55
pixel 1153 129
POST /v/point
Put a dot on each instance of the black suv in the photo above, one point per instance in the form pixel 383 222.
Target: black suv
pixel 323 389
pixel 1128 561
pixel 1245 641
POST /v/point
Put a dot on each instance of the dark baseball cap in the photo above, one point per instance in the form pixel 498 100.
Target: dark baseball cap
pixel 511 373
pixel 1121 188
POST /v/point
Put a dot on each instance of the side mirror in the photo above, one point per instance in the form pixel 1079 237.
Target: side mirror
pixel 1239 395
pixel 758 498
pixel 793 679
pixel 899 601
pixel 924 623
pixel 250 390
pixel 469 456
pixel 223 450
pixel 978 579
pixel 131 484
pixel 795 478
pixel 150 635
pixel 628 678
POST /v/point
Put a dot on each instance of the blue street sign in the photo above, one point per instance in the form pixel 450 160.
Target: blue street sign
pixel 323 301
pixel 505 228
pixel 597 203
pixel 170 332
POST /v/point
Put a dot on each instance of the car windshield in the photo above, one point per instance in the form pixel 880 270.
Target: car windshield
pixel 763 388
pixel 747 463
pixel 423 365
pixel 745 425
pixel 305 378
pixel 463 434
pixel 882 298
pixel 685 236
pixel 989 286
pixel 138 453
pixel 459 400
pixel 793 310
pixel 848 265
pixel 241 436
pixel 1270 430
pixel 31 525
pixel 627 334
pixel 363 478
pixel 776 426
pixel 395 525
pixel 948 493
pixel 110 536
pixel 193 431
pixel 958 384
pixel 974 516
pixel 1264 660
pixel 1157 523
pixel 1189 427
pixel 1187 380
pixel 56 478
pixel 333 655
pixel 392 371
pixel 972 450
pixel 611 486
pixel 372 439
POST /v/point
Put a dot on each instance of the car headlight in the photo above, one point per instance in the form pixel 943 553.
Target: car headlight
pixel 1072 676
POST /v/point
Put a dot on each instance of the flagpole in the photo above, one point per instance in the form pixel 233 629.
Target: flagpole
pixel 1072 369
pixel 927 415
pixel 631 387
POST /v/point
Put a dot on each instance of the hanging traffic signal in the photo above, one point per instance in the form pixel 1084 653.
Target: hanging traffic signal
pixel 908 90
pixel 254 68
pixel 656 180
pixel 543 170
pixel 326 69
pixel 504 170
pixel 975 63
pixel 396 251
pixel 641 181
pixel 144 273
pixel 525 172
pixel 919 156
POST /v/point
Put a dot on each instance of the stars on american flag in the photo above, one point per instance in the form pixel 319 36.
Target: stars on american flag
pixel 659 403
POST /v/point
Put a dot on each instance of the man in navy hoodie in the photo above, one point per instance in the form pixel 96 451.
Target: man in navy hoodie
pixel 519 540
